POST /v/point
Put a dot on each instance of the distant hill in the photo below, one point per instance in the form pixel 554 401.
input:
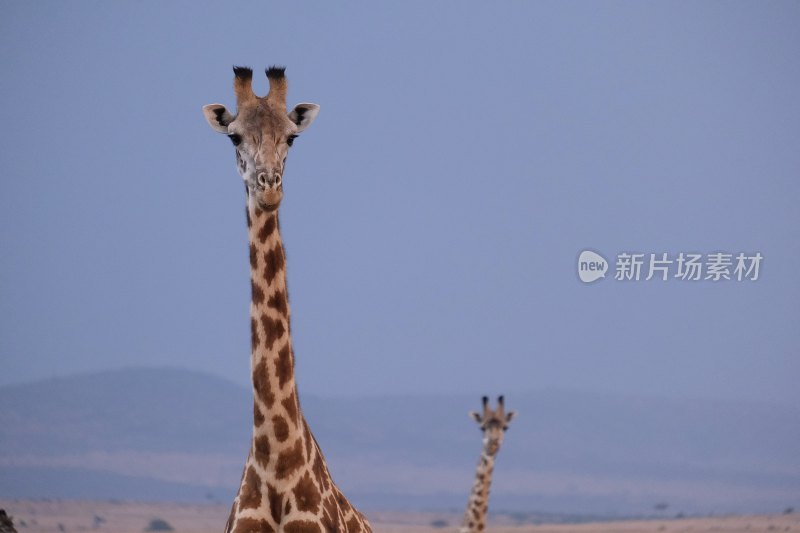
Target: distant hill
pixel 166 434
pixel 134 409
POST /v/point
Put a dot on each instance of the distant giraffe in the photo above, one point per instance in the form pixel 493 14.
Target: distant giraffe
pixel 286 486
pixel 493 424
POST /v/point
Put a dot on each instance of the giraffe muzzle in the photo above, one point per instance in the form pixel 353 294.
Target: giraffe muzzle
pixel 268 180
pixel 267 190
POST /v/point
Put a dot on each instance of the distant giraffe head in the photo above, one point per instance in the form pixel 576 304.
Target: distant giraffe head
pixel 262 132
pixel 493 424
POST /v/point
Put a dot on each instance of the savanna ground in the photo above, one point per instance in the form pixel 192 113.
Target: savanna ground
pixel 33 516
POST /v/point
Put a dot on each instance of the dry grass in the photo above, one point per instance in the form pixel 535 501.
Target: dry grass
pixel 129 517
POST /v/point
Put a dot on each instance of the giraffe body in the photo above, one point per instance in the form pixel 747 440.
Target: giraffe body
pixel 493 425
pixel 286 485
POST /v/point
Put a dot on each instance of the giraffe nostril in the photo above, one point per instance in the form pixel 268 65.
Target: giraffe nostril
pixel 277 180
pixel 262 179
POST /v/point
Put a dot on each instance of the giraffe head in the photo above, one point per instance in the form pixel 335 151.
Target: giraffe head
pixel 493 424
pixel 262 132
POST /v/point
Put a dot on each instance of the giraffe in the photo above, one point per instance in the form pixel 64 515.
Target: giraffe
pixel 286 485
pixel 493 425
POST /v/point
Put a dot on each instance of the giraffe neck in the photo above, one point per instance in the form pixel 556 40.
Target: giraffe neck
pixel 278 427
pixel 286 485
pixel 478 503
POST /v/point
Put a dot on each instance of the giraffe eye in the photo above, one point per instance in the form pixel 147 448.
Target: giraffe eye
pixel 291 139
pixel 235 138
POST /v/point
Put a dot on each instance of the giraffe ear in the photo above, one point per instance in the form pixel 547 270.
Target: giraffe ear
pixel 303 115
pixel 510 415
pixel 218 117
pixel 476 416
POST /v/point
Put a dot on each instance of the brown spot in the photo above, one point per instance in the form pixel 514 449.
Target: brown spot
pixel 267 229
pixel 262 449
pixel 480 527
pixel 274 503
pixel 247 213
pixel 261 384
pixel 318 467
pixel 273 329
pixel 250 493
pixel 253 256
pixel 302 526
pixel 344 505
pixel 258 416
pixel 309 439
pixel 353 525
pixel 329 524
pixel 283 365
pixel 273 263
pixel 281 428
pixel 253 525
pixel 290 404
pixel 306 494
pixel 279 302
pixel 254 340
pixel 256 292
pixel 330 506
pixel 289 460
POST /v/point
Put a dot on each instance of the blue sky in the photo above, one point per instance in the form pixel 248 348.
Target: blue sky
pixel 465 153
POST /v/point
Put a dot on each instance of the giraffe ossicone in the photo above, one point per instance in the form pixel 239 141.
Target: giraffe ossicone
pixel 286 485
pixel 493 424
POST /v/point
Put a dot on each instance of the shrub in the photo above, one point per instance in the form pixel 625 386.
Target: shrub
pixel 158 524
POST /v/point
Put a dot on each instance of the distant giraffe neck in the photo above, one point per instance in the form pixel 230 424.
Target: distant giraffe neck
pixel 478 503
pixel 276 410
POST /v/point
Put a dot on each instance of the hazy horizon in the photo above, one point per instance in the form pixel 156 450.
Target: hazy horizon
pixel 181 435
pixel 347 395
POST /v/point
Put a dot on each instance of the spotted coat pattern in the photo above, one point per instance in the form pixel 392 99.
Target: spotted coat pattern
pixel 286 485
